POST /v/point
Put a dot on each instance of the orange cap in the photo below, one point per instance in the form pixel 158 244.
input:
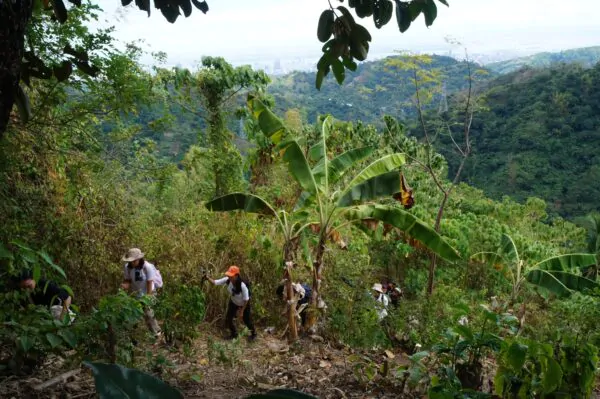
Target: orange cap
pixel 232 271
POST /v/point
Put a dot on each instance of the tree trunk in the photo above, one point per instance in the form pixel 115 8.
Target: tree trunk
pixel 316 294
pixel 14 17
pixel 291 299
pixel 433 262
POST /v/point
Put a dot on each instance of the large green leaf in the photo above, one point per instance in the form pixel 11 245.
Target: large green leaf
pixel 381 166
pixel 281 394
pixel 5 253
pixel 298 166
pixel 340 164
pixel 569 262
pixel 560 282
pixel 409 224
pixel 376 187
pixel 508 248
pixel 242 202
pixel 268 122
pixel 115 382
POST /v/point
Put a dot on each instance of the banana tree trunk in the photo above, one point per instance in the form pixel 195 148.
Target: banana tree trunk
pixel 291 298
pixel 316 289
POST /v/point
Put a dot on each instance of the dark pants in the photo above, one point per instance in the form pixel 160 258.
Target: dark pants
pixel 232 310
pixel 305 311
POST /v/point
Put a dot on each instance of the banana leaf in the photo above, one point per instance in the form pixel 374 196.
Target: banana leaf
pixel 268 122
pixel 569 262
pixel 243 202
pixel 298 166
pixel 117 382
pixel 560 282
pixel 376 187
pixel 340 164
pixel 409 224
pixel 379 167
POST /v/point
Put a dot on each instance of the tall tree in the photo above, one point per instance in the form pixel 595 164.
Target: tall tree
pixel 427 88
pixel 206 94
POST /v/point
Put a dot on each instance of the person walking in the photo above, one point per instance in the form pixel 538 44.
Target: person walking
pixel 239 301
pixel 303 293
pixel 48 294
pixel 139 278
pixel 381 301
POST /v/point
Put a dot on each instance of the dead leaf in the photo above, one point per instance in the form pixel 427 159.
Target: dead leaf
pixel 389 354
pixel 324 364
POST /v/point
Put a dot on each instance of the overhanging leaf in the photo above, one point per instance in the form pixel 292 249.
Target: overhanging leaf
pixel 243 202
pixel 409 224
pixel 115 382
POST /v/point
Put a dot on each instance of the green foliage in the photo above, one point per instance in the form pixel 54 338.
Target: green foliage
pixel 372 91
pixel 115 381
pixel 586 56
pixel 558 274
pixel 181 308
pixel 556 103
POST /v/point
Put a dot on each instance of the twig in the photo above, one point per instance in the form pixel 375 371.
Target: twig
pixel 58 379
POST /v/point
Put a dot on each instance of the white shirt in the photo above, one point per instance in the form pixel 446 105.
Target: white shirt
pixel 383 304
pixel 238 299
pixel 138 277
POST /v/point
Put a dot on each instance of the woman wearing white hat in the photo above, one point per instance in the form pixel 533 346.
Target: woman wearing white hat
pixel 382 301
pixel 139 277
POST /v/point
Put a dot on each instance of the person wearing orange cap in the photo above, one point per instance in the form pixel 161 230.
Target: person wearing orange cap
pixel 239 300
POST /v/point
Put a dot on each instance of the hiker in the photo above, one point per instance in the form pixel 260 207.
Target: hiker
pixel 48 294
pixel 382 301
pixel 394 293
pixel 239 300
pixel 302 292
pixel 140 277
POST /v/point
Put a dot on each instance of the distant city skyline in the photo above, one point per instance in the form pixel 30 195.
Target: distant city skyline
pixel 264 31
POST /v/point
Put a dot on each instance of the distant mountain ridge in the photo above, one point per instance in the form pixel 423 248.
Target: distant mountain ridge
pixel 586 56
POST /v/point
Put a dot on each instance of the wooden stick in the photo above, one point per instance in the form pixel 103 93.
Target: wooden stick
pixel 59 378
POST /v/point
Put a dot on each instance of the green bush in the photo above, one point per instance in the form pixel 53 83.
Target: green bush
pixel 180 309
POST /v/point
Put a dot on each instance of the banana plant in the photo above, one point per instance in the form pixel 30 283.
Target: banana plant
pixel 290 226
pixel 560 274
pixel 338 199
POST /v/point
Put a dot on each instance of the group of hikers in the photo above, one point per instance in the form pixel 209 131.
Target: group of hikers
pixel 142 278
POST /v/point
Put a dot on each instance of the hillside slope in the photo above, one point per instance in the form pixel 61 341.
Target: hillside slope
pixel 367 94
pixel 540 136
pixel 586 56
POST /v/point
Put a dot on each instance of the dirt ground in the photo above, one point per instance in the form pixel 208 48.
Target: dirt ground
pixel 215 368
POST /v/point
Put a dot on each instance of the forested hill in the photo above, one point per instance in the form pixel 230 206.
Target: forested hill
pixel 540 136
pixel 586 56
pixel 372 91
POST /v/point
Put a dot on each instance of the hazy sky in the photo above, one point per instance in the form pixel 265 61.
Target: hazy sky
pixel 243 30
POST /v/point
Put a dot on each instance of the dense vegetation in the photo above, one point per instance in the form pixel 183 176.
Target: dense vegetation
pixel 498 298
pixel 586 57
